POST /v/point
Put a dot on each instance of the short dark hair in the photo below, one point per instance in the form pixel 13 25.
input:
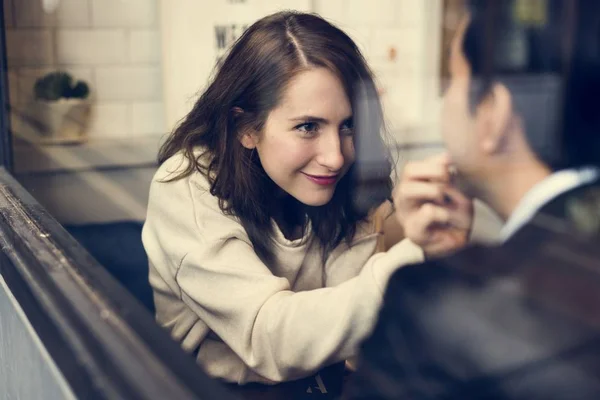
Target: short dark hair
pixel 550 62
pixel 252 78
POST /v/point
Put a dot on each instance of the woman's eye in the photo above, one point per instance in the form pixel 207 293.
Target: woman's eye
pixel 347 129
pixel 308 127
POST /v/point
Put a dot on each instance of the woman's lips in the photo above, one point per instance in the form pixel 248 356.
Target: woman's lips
pixel 322 179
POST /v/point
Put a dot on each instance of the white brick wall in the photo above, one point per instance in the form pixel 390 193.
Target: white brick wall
pixel 411 13
pixel 370 12
pixel 69 14
pixel 265 7
pixel 407 43
pixel 143 46
pixel 124 13
pixel 128 83
pixel 148 118
pixel 110 116
pixel 114 45
pixel 331 9
pixel 29 47
pixel 91 47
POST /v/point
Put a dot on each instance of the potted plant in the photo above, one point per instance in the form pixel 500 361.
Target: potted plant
pixel 61 110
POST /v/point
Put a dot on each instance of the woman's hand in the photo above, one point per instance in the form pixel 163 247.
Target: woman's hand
pixel 434 214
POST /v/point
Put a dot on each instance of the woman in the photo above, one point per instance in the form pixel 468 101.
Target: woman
pixel 260 263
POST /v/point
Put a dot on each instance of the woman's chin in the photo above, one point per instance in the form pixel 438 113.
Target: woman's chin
pixel 314 199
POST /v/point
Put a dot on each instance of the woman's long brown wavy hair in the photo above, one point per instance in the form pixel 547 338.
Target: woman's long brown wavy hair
pixel 252 79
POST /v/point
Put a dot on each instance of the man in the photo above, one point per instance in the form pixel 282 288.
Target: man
pixel 522 127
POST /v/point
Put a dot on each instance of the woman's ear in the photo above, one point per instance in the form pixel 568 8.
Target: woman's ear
pixel 247 137
pixel 248 140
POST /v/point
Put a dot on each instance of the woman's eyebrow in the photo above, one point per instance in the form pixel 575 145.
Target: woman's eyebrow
pixel 310 118
pixel 322 120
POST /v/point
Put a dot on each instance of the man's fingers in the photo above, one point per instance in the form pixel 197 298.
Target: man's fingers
pixel 454 197
pixel 413 194
pixel 424 219
pixel 426 171
pixel 440 158
pixel 429 217
pixel 444 244
pixel 460 219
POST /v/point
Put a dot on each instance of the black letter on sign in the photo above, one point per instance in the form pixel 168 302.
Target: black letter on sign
pixel 220 36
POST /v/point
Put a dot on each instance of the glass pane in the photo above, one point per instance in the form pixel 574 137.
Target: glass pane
pixel 95 85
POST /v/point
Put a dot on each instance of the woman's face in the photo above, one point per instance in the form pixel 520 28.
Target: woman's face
pixel 306 145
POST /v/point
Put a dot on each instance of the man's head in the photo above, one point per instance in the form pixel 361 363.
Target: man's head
pixel 521 100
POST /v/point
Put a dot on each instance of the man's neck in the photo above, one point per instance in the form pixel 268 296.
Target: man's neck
pixel 507 187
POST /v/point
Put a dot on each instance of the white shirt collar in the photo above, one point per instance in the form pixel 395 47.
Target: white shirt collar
pixel 543 192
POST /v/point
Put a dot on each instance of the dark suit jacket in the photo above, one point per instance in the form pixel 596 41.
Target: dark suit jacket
pixel 516 321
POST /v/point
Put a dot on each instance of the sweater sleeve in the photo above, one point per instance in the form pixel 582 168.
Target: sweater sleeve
pixel 279 334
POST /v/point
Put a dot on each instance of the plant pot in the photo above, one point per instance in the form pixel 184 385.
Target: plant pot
pixel 56 122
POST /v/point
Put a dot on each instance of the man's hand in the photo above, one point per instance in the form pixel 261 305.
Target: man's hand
pixel 434 214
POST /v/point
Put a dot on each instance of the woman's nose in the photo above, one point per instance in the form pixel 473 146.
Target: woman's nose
pixel 330 151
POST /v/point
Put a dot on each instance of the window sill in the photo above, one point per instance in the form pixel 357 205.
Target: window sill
pixel 94 154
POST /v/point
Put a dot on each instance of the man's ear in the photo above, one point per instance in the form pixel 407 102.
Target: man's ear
pixel 248 137
pixel 494 116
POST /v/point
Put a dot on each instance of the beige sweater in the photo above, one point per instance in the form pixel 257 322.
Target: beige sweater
pixel 254 323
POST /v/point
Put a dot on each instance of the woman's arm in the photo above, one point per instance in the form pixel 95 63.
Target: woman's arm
pixel 278 333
